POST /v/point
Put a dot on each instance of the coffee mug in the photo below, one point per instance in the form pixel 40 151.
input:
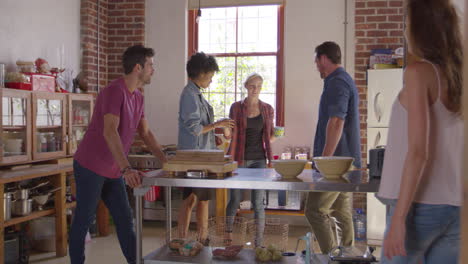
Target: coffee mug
pixel 279 131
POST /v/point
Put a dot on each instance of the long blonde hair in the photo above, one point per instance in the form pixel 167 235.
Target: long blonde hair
pixel 434 28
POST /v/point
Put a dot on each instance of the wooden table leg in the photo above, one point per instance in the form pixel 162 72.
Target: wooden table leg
pixel 221 202
pixel 102 219
pixel 60 215
pixel 2 226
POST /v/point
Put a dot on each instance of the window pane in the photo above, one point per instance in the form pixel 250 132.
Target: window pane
pixel 263 65
pixel 223 81
pixel 218 102
pixel 217 30
pixel 258 26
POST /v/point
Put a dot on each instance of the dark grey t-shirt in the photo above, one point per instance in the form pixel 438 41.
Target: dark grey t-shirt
pixel 253 139
pixel 340 99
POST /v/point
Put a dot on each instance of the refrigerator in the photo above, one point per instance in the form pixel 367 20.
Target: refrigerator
pixel 383 87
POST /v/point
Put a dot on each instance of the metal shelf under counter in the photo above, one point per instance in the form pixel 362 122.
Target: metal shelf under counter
pixel 260 179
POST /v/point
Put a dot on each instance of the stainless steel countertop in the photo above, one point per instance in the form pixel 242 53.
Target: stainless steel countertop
pixel 266 179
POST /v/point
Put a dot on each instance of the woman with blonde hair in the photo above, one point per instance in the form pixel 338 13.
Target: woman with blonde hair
pixel 250 144
pixel 421 178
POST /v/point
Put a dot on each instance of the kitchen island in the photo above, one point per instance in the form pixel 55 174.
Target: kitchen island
pixel 260 179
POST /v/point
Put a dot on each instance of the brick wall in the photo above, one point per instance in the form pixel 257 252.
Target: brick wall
pixel 122 24
pixel 89 42
pixel 126 28
pixel 379 24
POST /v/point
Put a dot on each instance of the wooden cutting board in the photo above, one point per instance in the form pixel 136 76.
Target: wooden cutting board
pixel 200 155
pixel 212 167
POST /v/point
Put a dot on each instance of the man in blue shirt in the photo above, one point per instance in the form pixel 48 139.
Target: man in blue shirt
pixel 337 134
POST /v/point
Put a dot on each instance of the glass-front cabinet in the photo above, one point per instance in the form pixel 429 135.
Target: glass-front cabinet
pixel 16 126
pixel 49 125
pixel 80 108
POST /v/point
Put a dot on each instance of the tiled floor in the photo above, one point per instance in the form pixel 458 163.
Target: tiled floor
pixel 107 250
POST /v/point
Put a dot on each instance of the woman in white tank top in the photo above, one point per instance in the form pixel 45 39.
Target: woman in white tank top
pixel 421 178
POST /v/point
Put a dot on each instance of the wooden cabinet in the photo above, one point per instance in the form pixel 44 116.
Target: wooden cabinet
pixel 41 125
pixel 80 108
pixel 15 129
pixel 49 125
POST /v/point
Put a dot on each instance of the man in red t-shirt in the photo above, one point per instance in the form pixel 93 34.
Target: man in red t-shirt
pixel 100 164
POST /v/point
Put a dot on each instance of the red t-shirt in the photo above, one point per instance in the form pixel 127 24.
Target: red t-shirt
pixel 93 152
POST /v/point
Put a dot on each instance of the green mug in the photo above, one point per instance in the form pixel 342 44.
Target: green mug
pixel 279 131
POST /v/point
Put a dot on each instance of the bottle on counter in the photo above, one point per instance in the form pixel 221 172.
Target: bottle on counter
pixel 360 225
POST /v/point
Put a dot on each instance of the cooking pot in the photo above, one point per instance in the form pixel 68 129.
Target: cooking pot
pixel 376 160
pixel 21 207
pixel 23 193
pixel 7 205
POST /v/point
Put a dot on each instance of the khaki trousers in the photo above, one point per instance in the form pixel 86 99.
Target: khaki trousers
pixel 319 208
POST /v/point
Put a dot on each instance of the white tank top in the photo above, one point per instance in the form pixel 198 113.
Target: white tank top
pixel 441 182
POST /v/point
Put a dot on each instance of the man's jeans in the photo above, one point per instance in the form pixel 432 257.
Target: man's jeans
pixel 258 201
pixel 319 208
pixel 90 188
pixel 433 235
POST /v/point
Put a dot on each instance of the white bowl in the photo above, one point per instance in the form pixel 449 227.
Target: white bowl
pixel 289 168
pixel 333 167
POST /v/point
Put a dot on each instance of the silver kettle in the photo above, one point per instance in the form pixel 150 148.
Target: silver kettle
pixel 376 160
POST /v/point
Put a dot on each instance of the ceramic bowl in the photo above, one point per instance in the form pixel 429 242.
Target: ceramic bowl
pixel 289 168
pixel 333 167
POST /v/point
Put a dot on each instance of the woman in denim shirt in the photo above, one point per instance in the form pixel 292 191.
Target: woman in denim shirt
pixel 196 131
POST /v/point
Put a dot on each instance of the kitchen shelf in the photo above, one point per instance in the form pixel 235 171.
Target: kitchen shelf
pixel 14 127
pixel 33 215
pixel 49 127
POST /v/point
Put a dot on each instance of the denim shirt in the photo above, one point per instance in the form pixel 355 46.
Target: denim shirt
pixel 195 113
pixel 340 99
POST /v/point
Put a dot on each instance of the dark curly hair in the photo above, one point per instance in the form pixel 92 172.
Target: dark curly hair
pixel 135 55
pixel 201 63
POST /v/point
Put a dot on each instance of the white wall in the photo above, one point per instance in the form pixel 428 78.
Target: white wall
pixel 307 24
pixel 166 33
pixel 32 29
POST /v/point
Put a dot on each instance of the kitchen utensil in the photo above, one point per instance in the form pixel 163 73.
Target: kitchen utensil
pixel 21 207
pixel 333 167
pixel 308 254
pixel 289 168
pixel 307 238
pixel 21 194
pixel 7 205
pixel 376 159
pixel 197 174
pixel 42 199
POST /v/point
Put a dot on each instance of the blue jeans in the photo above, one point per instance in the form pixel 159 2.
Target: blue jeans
pixel 433 235
pixel 258 196
pixel 258 202
pixel 90 188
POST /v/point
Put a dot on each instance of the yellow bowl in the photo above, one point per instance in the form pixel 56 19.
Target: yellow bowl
pixel 289 168
pixel 333 167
